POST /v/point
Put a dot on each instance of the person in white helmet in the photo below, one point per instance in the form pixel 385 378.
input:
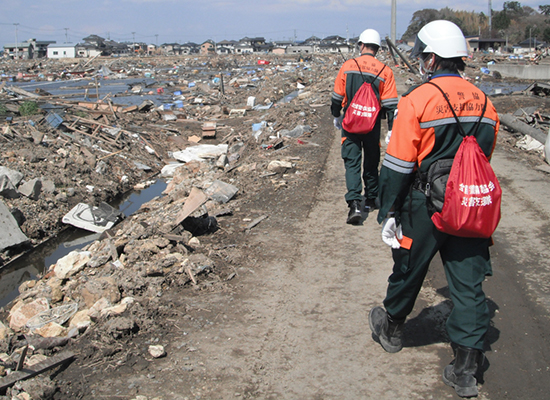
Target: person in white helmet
pixel 425 131
pixel 361 152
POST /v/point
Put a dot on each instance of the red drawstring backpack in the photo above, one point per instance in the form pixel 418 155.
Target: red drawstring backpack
pixel 363 110
pixel 473 194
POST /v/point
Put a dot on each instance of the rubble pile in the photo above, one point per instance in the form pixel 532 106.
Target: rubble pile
pixel 91 151
pixel 254 132
pixel 225 133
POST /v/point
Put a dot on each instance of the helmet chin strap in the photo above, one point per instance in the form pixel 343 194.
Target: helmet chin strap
pixel 427 71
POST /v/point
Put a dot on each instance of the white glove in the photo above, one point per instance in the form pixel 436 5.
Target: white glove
pixel 338 122
pixel 391 232
pixel 388 136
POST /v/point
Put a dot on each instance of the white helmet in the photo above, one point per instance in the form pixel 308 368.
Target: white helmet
pixel 370 36
pixel 442 38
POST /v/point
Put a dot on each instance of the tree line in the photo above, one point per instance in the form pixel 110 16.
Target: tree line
pixel 514 22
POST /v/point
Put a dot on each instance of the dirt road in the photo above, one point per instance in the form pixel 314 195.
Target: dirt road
pixel 292 324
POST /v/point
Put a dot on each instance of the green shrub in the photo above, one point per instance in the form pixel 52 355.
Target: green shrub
pixel 28 108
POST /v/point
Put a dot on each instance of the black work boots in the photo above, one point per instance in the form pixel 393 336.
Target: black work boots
pixel 460 373
pixel 386 331
pixel 371 204
pixel 354 215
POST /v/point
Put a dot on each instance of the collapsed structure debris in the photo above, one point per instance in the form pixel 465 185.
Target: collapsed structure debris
pixel 216 130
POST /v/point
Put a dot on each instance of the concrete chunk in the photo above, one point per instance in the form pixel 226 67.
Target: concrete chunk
pixel 10 233
pixel 31 189
pixel 7 189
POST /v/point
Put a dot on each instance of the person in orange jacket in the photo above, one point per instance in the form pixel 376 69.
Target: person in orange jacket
pixel 362 150
pixel 425 131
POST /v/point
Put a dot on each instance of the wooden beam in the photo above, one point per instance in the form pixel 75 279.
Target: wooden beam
pixel 25 373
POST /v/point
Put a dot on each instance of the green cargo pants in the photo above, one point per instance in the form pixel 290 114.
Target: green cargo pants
pixel 466 262
pixel 361 151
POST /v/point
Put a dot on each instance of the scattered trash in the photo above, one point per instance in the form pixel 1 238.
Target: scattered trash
pixel 92 218
pixel 59 315
pixel 221 192
pixel 296 132
pixel 200 152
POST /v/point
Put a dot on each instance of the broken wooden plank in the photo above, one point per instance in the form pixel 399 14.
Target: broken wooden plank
pixel 94 133
pixel 112 109
pixel 129 109
pixel 110 155
pixel 196 199
pixel 256 222
pixel 52 362
pixel 99 106
pixel 151 146
pixel 190 273
pixel 23 92
pixel 92 136
pixel 22 358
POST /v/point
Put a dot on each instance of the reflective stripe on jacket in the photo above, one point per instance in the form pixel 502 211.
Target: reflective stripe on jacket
pixel 425 130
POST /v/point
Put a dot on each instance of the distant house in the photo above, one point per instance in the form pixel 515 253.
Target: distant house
pixel 294 49
pixel 333 39
pixel 226 46
pixel 29 49
pixel 95 40
pixel 529 45
pixel 208 47
pixel 475 43
pixel 65 50
pixel 171 49
pixel 335 48
pixel 223 50
pixel 93 44
pixel 312 40
pixel 151 49
pixel 87 50
pixel 137 48
pixel 264 48
pixel 244 48
pixel 282 43
pixel 115 48
pixel 189 48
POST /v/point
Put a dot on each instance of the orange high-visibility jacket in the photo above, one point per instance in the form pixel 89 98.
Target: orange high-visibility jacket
pixel 349 80
pixel 425 130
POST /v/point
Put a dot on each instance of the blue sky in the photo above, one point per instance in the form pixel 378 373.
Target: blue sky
pixel 168 21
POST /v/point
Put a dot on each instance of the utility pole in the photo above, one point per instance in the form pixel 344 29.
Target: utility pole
pixel 133 42
pixel 157 36
pixel 490 18
pixel 66 36
pixel 16 43
pixel 393 20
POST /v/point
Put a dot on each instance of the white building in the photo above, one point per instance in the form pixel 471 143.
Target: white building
pixel 65 50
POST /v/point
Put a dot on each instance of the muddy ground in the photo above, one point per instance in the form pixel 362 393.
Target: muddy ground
pixel 275 309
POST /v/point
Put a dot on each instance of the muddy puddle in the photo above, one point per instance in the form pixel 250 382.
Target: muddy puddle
pixel 502 88
pixel 37 261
